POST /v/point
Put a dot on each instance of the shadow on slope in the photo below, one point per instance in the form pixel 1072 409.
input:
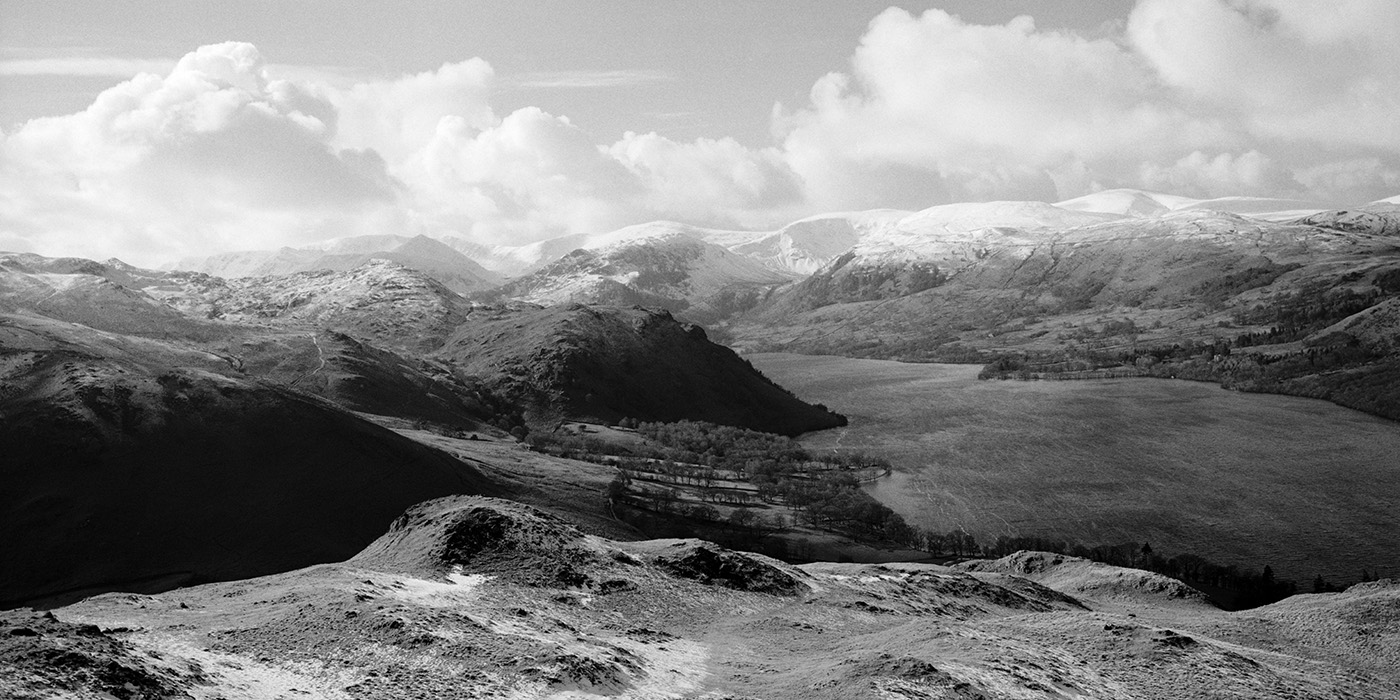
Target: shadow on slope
pixel 143 468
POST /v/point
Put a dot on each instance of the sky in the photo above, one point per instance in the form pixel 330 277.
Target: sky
pixel 155 130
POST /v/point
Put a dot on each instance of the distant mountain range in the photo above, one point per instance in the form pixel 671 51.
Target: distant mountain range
pixel 435 258
pixel 1115 272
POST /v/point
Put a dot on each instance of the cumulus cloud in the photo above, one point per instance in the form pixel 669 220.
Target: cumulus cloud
pixel 715 181
pixel 984 111
pixel 1200 175
pixel 217 154
pixel 1326 72
pixel 1204 97
pixel 212 154
pixel 398 117
pixel 524 178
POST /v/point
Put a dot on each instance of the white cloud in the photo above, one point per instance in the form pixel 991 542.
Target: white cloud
pixel 217 154
pixel 530 176
pixel 716 181
pixel 1326 72
pixel 982 110
pixel 399 117
pixel 1204 96
pixel 1199 175
pixel 1352 179
pixel 211 155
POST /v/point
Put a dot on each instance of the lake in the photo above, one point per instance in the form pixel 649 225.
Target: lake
pixel 1303 485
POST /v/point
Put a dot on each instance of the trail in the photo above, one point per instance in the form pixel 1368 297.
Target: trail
pixel 320 355
pixel 841 436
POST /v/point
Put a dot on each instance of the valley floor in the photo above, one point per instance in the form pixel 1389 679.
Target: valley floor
pixel 1302 485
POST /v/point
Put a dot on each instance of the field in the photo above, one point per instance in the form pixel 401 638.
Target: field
pixel 1302 485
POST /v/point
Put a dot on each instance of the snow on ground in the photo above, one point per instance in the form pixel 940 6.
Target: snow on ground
pixel 460 589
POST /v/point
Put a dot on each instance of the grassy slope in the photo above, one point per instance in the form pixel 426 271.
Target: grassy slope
pixel 1250 479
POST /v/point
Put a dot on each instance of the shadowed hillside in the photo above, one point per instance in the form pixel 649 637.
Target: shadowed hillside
pixel 133 464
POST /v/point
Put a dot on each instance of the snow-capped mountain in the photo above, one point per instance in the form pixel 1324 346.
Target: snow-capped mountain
pixel 958 233
pixel 662 264
pixel 807 244
pixel 1138 203
pixel 435 258
pixel 938 284
pixel 1127 202
pixel 514 261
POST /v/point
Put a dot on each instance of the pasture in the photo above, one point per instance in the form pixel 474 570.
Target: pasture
pixel 1305 486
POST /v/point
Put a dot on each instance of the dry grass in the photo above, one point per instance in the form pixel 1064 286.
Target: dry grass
pixel 1303 485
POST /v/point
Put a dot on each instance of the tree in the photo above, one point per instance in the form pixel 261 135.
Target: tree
pixel 617 488
pixel 743 517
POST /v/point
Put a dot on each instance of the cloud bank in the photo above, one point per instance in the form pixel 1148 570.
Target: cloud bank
pixel 1201 98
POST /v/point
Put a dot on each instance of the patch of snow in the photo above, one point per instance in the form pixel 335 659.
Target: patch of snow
pixel 460 589
pixel 1127 202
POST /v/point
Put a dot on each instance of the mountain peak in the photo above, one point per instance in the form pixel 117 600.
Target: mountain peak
pixel 1126 202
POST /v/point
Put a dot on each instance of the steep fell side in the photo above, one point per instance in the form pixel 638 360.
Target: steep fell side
pixel 133 464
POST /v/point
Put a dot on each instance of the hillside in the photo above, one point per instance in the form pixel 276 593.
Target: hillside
pixel 104 296
pixel 137 464
pixel 609 363
pixel 471 597
pixel 378 301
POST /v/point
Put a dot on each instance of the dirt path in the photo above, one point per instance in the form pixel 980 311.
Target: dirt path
pixel 320 356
